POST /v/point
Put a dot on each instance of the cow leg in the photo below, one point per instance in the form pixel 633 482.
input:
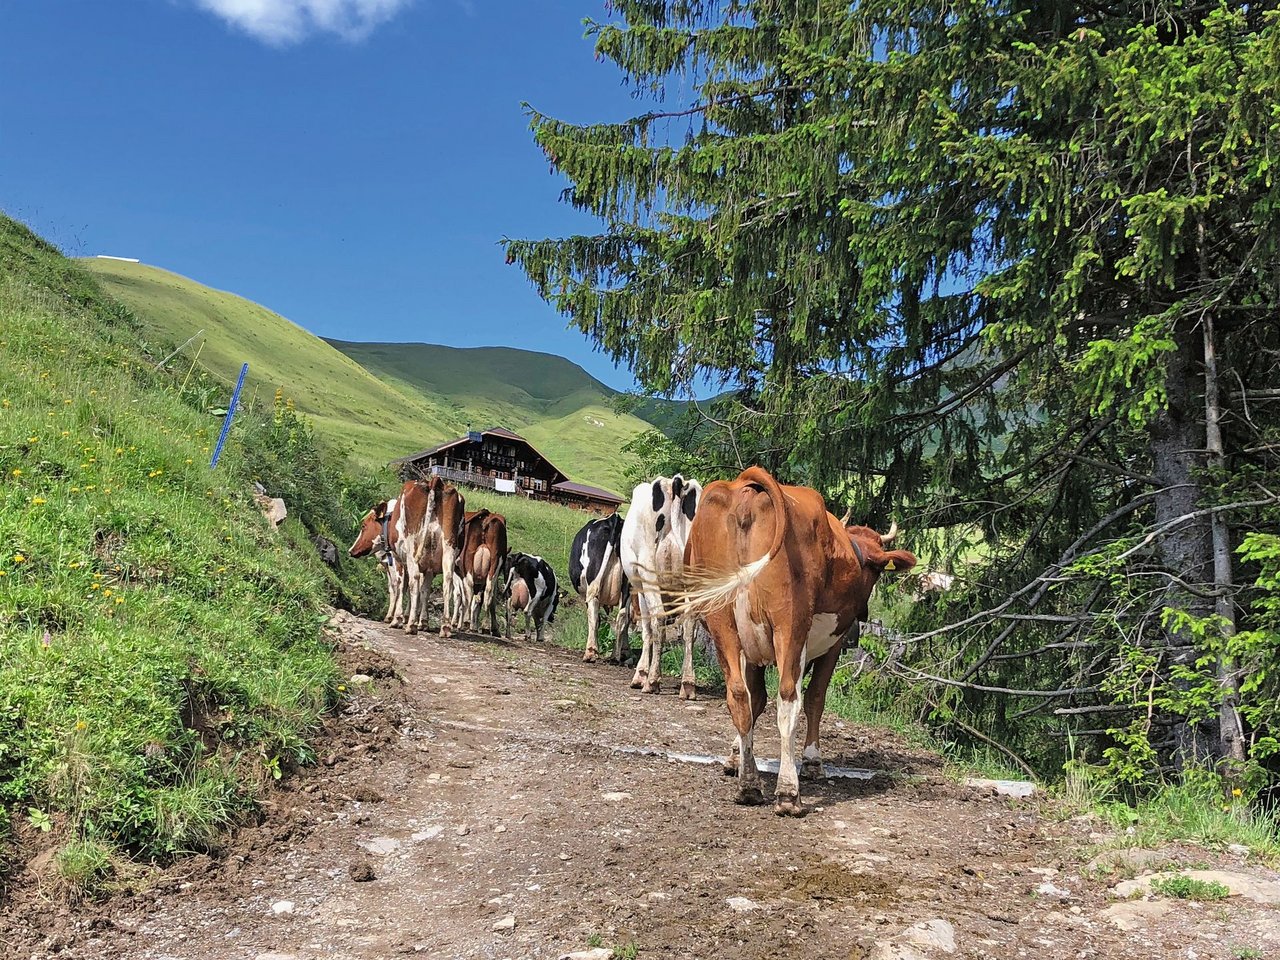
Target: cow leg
pixel 448 586
pixel 815 699
pixel 391 593
pixel 754 677
pixel 491 591
pixel 688 682
pixel 621 626
pixel 414 586
pixel 742 708
pixel 593 621
pixel 786 799
pixel 648 675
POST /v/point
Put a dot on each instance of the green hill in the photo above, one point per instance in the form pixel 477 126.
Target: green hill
pixel 381 401
pixel 555 404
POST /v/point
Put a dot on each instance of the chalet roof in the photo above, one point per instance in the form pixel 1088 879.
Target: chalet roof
pixel 583 490
pixel 492 431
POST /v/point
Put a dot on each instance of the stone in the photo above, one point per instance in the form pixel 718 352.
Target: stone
pixel 1129 860
pixel 272 508
pixel 1048 889
pixel 932 935
pixel 463 830
pixel 596 953
pixel 381 846
pixel 358 678
pixel 282 907
pixel 276 955
pixel 615 796
pixel 1135 914
pixel 1238 849
pixel 506 923
pixel 742 904
pixel 428 834
pixel 361 872
pixel 1266 892
pixel 1005 788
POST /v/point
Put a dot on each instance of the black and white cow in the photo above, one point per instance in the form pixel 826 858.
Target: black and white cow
pixel 595 570
pixel 531 590
pixel 652 552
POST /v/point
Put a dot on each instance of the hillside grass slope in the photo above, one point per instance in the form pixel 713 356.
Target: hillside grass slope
pixel 382 401
pixel 349 406
pixel 161 653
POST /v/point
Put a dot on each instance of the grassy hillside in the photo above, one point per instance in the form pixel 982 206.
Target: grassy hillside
pixel 563 410
pixel 160 644
pixel 381 401
pixel 347 404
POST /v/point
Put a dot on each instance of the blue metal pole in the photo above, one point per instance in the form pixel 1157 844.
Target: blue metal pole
pixel 226 422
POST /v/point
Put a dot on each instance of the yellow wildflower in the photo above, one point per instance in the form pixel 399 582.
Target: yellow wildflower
pixel 81 725
pixel 1235 791
pixel 95 586
pixel 119 600
pixel 66 433
pixel 119 449
pixel 75 564
pixel 67 401
pixel 33 439
pixel 38 500
pixel 17 472
pixel 19 558
pixel 107 592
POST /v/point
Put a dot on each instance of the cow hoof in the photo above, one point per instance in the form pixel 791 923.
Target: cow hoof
pixel 730 768
pixel 750 797
pixel 639 679
pixel 688 691
pixel 785 806
pixel 589 657
pixel 410 629
pixel 386 619
pixel 811 770
pixel 654 687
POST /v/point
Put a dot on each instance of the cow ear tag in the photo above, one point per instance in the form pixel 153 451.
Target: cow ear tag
pixel 889 565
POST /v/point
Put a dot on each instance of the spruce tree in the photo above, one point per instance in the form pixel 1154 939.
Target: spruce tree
pixel 1007 271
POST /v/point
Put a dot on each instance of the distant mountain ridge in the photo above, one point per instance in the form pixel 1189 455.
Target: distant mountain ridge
pixel 385 400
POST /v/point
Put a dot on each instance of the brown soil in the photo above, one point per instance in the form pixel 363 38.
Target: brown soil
pixel 475 780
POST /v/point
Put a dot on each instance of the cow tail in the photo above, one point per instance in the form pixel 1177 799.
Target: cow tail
pixel 705 591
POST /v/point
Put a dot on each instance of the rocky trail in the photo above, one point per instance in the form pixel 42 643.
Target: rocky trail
pixel 479 798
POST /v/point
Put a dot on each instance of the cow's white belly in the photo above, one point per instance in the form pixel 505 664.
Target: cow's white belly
pixel 822 636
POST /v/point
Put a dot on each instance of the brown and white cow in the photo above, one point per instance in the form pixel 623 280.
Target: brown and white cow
pixel 377 535
pixel 778 579
pixel 481 568
pixel 429 531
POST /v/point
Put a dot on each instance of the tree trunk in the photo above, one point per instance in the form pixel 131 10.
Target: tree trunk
pixel 1230 731
pixel 1177 461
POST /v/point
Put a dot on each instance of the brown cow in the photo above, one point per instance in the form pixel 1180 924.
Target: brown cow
pixel 377 535
pixel 481 567
pixel 429 529
pixel 780 580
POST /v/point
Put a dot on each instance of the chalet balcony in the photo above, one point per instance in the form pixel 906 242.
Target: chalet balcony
pixel 486 482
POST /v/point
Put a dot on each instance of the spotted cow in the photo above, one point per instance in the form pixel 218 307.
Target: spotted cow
pixel 779 580
pixel 652 551
pixel 595 571
pixel 531 589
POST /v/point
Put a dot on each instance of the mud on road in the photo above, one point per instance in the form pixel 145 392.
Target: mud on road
pixel 479 798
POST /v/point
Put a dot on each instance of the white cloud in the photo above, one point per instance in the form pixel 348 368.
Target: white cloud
pixel 282 22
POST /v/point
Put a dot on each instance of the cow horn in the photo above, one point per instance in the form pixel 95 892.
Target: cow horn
pixel 887 538
pixel 844 521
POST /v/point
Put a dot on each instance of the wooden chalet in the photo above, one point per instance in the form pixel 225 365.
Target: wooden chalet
pixel 497 459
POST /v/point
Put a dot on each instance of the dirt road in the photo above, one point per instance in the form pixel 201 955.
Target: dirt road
pixel 509 801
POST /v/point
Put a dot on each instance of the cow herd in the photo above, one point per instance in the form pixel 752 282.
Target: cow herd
pixel 763 568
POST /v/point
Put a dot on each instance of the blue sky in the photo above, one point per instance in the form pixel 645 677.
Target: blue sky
pixel 351 164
